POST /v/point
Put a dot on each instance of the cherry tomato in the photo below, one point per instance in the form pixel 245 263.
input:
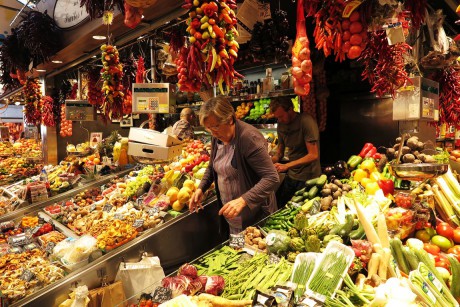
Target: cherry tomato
pixel 431 248
pixel 445 230
pixel 457 235
pixel 423 236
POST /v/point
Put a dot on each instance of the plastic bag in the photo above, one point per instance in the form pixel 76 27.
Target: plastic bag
pixel 301 64
pixel 144 276
pixel 78 298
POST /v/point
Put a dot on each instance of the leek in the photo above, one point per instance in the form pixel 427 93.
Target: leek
pixel 452 182
pixel 450 196
pixel 444 206
pixel 422 289
pixel 443 293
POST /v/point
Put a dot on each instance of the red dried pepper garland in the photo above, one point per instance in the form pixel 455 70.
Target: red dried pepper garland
pixel 95 96
pixel 384 64
pixel 32 98
pixel 48 116
pixel 416 9
pixel 449 96
pixel 112 88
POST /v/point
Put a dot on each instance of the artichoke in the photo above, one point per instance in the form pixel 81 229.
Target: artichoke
pixel 291 256
pixel 297 244
pixel 306 232
pixel 294 233
pixel 329 238
pixel 300 221
pixel 313 244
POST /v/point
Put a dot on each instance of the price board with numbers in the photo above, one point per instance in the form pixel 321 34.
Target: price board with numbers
pixel 152 97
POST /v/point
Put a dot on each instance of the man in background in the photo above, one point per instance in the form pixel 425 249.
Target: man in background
pixel 183 128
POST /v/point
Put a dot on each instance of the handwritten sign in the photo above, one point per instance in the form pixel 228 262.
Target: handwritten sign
pixel 27 275
pixel 236 241
pixel 138 223
pixel 161 295
pixel 107 208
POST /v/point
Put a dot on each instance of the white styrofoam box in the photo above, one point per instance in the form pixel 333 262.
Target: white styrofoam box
pixel 154 152
pixel 152 137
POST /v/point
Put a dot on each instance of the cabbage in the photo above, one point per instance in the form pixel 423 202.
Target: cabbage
pixel 277 241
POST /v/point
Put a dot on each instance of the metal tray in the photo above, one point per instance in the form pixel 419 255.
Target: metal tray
pixel 418 171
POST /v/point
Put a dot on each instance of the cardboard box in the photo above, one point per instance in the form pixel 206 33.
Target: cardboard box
pixel 152 137
pixel 153 152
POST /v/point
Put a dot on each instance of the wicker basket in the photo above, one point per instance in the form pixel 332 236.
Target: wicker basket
pixel 141 3
pixel 206 95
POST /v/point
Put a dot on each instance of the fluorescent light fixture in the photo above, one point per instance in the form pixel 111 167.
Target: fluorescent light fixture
pixel 41 70
pixel 56 61
pixel 99 37
pixel 94 56
pixel 17 103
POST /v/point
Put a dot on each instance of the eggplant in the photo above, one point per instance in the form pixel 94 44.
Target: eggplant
pixel 328 170
pixel 341 169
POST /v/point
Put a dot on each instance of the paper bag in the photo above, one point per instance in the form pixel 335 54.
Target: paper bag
pixel 142 276
pixel 109 296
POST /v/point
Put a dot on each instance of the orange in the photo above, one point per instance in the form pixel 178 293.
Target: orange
pixel 96 160
pixel 91 157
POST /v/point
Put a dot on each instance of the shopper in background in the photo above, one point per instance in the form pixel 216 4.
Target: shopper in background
pixel 183 128
pixel 300 135
pixel 240 166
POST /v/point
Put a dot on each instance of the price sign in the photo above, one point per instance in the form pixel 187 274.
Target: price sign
pixel 27 275
pixel 161 295
pixel 140 200
pixel 272 258
pixel 34 230
pixel 49 247
pixel 138 223
pixel 236 241
pixel 119 216
pixel 107 208
pixel 153 211
pixel 92 207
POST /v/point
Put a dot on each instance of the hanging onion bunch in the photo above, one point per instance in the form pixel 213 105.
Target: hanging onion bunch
pixel 48 118
pixel 112 88
pixel 96 8
pixel 66 125
pixel 31 32
pixel 32 97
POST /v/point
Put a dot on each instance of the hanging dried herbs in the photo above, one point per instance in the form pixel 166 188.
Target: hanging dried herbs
pixel 96 8
pixel 30 33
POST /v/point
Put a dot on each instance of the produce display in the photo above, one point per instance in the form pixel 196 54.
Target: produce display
pixel 14 169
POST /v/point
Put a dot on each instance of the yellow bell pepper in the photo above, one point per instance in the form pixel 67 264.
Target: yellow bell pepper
pixel 375 176
pixel 372 187
pixel 365 181
pixel 368 165
pixel 359 174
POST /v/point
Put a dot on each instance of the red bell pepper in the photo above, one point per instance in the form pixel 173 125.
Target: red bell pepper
pixel 371 152
pixel 365 150
pixel 377 156
pixel 387 186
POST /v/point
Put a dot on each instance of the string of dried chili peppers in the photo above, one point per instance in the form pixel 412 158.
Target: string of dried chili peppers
pixel 416 9
pixel 449 96
pixel 32 96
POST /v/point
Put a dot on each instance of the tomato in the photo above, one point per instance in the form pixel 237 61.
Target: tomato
pixel 442 242
pixel 431 248
pixel 445 230
pixel 457 235
pixel 443 264
pixel 423 235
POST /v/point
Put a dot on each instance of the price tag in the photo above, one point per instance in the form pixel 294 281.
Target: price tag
pixel 153 211
pixel 272 258
pixel 119 216
pixel 161 295
pixel 140 200
pixel 49 247
pixel 35 229
pixel 41 220
pixel 138 223
pixel 27 275
pixel 236 241
pixel 107 208
pixel 92 207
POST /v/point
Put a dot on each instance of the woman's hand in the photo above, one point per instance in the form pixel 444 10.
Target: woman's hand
pixel 281 168
pixel 195 201
pixel 233 208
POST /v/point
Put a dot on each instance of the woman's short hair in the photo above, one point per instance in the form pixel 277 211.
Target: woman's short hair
pixel 220 107
pixel 284 102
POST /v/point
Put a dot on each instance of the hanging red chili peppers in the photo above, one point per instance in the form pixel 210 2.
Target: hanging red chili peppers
pixel 416 9
pixel 384 64
pixel 449 96
pixel 112 88
pixel 213 49
pixel 48 118
pixel 95 96
pixel 32 96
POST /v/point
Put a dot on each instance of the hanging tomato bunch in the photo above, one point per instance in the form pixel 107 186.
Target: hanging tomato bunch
pixel 32 96
pixel 95 96
pixel 66 125
pixel 48 118
pixel 213 49
pixel 354 36
pixel 112 88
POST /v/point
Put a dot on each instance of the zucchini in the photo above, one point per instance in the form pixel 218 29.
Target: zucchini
pixel 399 255
pixel 321 181
pixel 311 182
pixel 297 199
pixel 312 192
pixel 455 268
pixel 358 233
pixel 345 230
pixel 300 192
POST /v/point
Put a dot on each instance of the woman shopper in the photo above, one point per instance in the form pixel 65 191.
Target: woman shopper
pixel 240 166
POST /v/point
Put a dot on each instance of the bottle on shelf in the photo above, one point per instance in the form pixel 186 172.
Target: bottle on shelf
pixel 251 87
pixel 268 81
pixel 259 87
pixel 43 176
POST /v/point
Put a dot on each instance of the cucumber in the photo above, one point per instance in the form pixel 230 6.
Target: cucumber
pixel 399 255
pixel 312 192
pixel 321 181
pixel 297 199
pixel 311 182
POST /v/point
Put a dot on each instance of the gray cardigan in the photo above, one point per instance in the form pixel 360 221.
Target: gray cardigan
pixel 257 176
